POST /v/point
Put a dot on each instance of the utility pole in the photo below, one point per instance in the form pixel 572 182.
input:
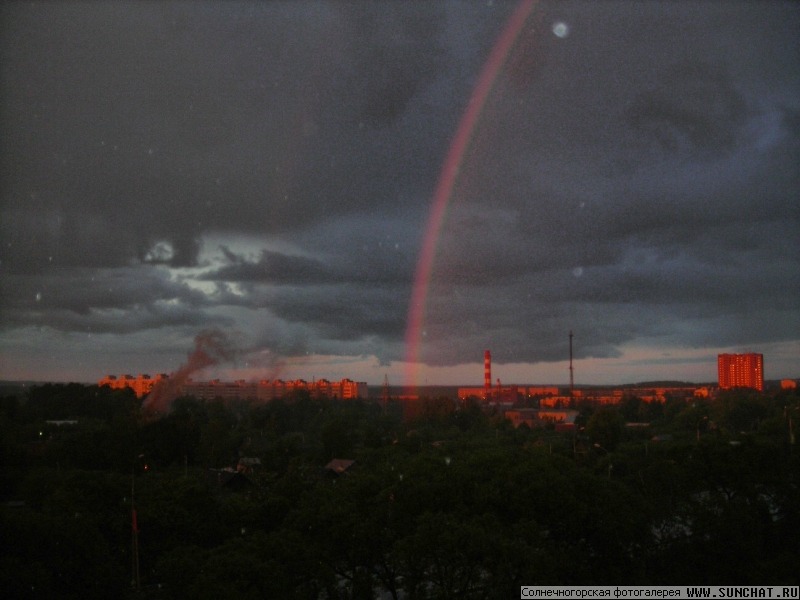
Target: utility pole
pixel 135 579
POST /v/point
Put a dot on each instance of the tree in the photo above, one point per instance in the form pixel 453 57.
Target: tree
pixel 605 428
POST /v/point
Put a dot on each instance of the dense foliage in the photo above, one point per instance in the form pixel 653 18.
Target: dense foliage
pixel 454 503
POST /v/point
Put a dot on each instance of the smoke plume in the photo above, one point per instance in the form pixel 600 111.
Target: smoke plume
pixel 210 348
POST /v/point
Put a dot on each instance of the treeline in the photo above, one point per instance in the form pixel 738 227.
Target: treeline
pixel 451 503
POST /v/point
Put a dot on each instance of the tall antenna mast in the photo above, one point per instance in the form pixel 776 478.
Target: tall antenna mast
pixel 385 395
pixel 571 377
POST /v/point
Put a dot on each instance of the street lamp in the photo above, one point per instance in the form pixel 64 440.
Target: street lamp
pixel 703 420
pixel 136 579
pixel 610 465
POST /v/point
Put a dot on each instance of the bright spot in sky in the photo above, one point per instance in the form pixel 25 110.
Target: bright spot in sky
pixel 160 252
pixel 560 29
pixel 577 271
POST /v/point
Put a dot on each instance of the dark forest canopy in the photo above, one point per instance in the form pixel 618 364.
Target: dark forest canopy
pixel 233 499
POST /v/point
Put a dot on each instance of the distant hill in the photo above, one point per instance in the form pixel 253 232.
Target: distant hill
pixel 665 384
pixel 431 391
pixel 17 388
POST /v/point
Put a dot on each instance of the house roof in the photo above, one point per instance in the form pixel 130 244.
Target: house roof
pixel 339 465
pixel 229 479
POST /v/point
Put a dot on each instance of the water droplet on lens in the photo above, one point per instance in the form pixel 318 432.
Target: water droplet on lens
pixel 560 29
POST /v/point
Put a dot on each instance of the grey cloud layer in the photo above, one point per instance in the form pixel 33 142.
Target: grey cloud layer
pixel 652 193
pixel 637 179
pixel 166 120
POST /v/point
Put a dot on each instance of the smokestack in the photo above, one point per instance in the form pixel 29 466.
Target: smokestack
pixel 487 374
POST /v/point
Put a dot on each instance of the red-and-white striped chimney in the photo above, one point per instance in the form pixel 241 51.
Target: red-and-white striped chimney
pixel 487 374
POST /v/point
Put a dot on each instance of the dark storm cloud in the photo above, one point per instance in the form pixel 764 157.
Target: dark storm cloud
pixel 160 121
pixel 36 236
pixel 694 105
pixel 80 290
pixel 355 299
pixel 651 192
pixel 102 300
pixel 272 267
pixel 343 313
pixel 369 262
pixel 155 316
pixel 269 168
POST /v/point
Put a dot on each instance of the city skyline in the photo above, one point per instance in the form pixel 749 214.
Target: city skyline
pixel 144 381
pixel 341 189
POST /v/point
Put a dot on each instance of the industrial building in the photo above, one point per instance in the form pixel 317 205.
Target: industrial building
pixel 531 402
pixel 497 394
pixel 563 420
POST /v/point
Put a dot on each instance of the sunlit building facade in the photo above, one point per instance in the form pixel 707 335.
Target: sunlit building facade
pixel 273 389
pixel 503 394
pixel 142 384
pixel 741 370
pixel 266 389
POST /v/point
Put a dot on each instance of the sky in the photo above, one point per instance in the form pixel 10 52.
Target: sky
pixel 268 171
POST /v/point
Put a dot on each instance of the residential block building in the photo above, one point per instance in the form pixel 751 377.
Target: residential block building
pixel 142 384
pixel 741 370
pixel 266 389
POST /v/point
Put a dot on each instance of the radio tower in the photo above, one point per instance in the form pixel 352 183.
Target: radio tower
pixel 571 378
pixel 385 395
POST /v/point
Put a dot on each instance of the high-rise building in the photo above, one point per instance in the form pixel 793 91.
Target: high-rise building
pixel 741 370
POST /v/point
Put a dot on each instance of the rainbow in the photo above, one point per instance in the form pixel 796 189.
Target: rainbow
pixel 447 179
